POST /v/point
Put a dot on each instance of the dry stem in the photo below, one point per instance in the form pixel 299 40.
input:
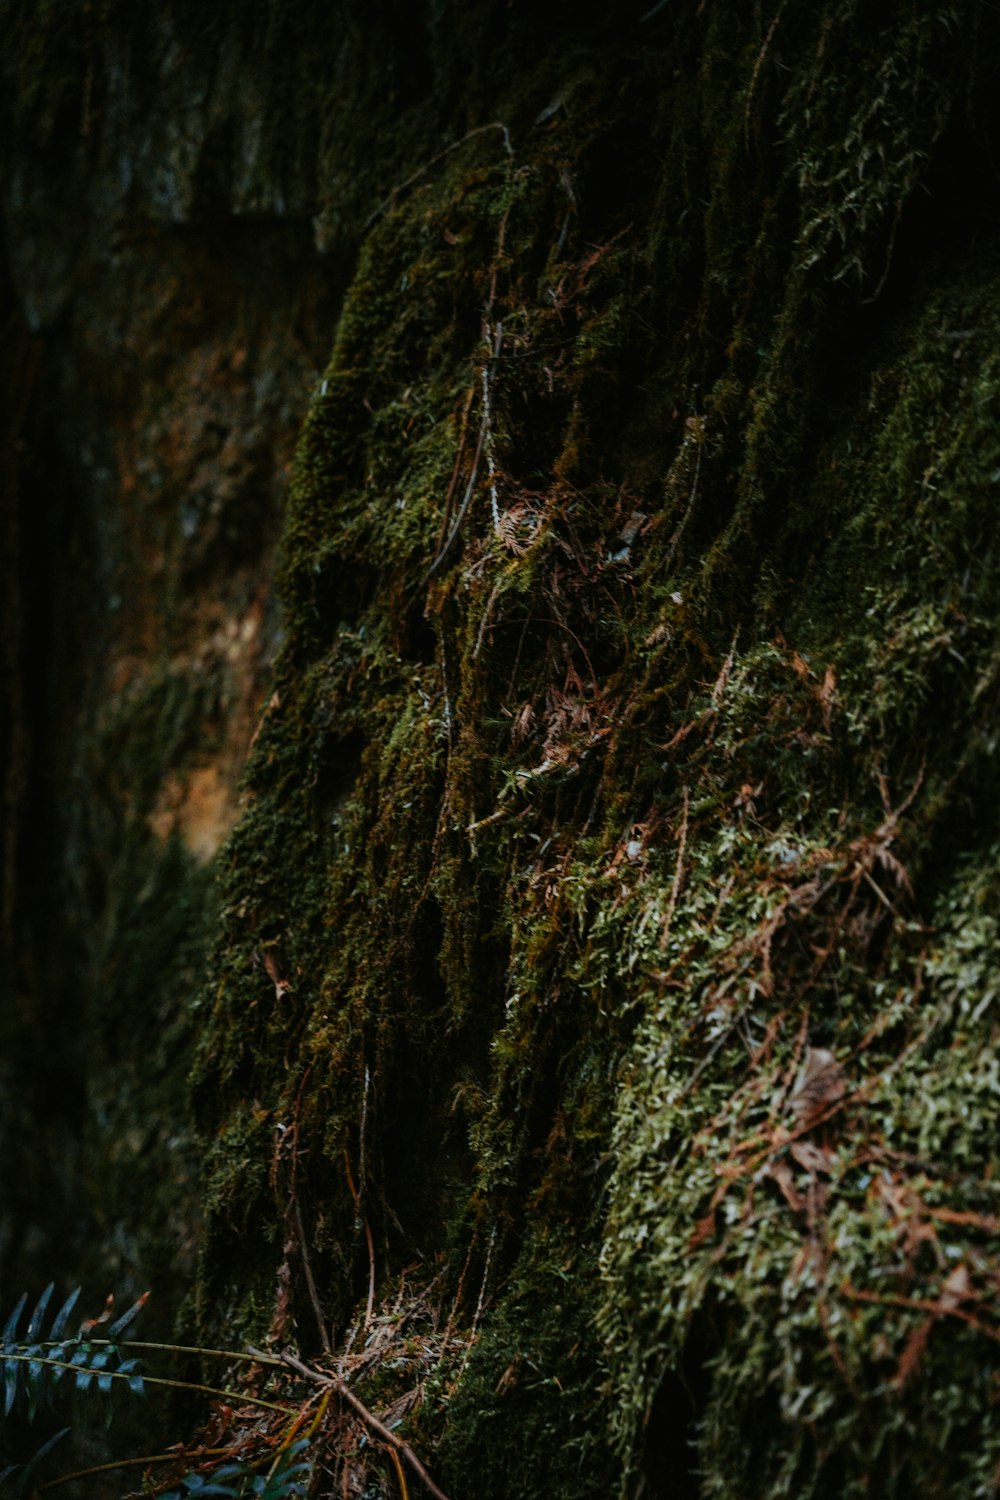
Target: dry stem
pixel 369 1418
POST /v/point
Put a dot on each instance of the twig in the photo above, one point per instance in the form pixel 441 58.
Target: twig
pixel 416 176
pixel 485 620
pixel 369 1418
pixel 324 1337
pixel 682 523
pixel 920 1304
pixel 479 1304
pixel 494 817
pixel 126 1463
pixel 456 526
pixel 484 441
pixel 458 1294
pixel 229 1354
pixel 401 1477
pixel 368 1236
pixel 727 667
pixel 290 1139
pixel 496 340
pixel 757 67
pixel 459 451
pixel 493 339
pixel 180 1385
pixel 678 875
pixel 364 1125
pixel 482 1290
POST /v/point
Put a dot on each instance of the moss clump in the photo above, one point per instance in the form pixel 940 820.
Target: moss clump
pixel 537 1368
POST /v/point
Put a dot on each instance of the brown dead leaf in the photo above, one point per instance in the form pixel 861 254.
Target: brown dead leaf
pixel 893 866
pixel 281 986
pixel 781 1173
pixel 821 1082
pixel 912 1350
pixel 826 693
pixel 703 1230
pixel 509 1376
pixel 957 1288
pixel 523 724
pixel 813 1158
pixel 281 1313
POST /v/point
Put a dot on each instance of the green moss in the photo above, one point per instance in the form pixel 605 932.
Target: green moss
pixel 536 1368
pixel 578 826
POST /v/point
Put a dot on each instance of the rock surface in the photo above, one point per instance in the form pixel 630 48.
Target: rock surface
pixel 555 893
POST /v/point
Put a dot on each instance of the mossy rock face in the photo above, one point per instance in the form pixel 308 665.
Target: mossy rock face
pixel 622 835
pixel 611 929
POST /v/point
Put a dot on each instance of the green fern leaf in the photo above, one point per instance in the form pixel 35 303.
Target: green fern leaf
pixel 288 1480
pixel 80 1359
pixel 34 1381
pixel 38 1316
pixel 130 1367
pixel 10 1327
pixel 10 1386
pixel 62 1316
pixel 26 1363
pixel 17 1477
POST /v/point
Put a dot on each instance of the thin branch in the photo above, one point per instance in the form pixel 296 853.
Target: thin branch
pixel 494 594
pixel 180 1385
pixel 369 1418
pixel 416 176
pixel 255 1359
pixel 368 1236
pixel 757 68
pixel 920 1304
pixel 494 817
pixel 324 1337
pixel 459 452
pixel 128 1463
pixel 675 540
pixel 363 1129
pixel 496 340
pixel 400 1476
pixel 678 876
pixel 482 1290
pixel 456 527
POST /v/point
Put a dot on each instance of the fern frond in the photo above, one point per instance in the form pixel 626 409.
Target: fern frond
pixel 33 1366
pixel 18 1476
pixel 62 1316
pixel 287 1479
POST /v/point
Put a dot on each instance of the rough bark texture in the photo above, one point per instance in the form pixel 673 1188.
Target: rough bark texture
pixel 607 924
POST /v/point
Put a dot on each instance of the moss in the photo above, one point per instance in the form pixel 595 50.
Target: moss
pixel 631 754
pixel 536 1368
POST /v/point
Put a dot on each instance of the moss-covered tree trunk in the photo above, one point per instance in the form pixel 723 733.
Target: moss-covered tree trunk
pixel 600 979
